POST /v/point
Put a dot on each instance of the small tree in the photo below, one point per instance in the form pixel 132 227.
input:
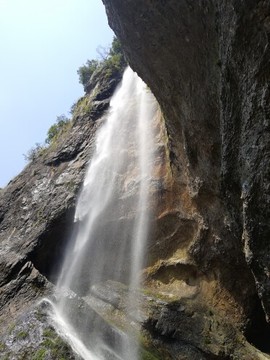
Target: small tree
pixel 85 72
pixel 55 129
pixel 111 60
pixel 116 47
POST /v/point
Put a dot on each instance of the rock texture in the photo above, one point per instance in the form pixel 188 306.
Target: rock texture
pixel 207 62
pixel 37 206
pixel 207 282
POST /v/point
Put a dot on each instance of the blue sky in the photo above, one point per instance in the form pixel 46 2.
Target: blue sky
pixel 42 44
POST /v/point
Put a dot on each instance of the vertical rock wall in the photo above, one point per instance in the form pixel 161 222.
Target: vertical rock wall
pixel 207 64
pixel 245 125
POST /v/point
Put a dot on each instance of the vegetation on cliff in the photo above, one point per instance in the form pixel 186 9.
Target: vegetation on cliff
pixel 103 74
pixel 112 61
pixel 37 208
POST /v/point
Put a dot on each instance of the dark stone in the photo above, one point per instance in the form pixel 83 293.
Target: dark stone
pixel 207 63
pixel 37 206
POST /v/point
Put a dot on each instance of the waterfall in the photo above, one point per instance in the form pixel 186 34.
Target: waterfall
pixel 111 222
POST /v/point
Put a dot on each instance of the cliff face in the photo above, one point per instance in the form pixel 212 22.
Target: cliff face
pixel 37 206
pixel 207 63
pixel 245 128
pixel 207 276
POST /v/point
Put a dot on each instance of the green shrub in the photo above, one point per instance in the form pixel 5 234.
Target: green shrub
pixel 62 123
pixel 83 105
pixel 55 129
pixel 111 62
pixel 116 47
pixel 85 71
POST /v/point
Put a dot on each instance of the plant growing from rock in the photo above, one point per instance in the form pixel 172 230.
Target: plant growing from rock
pixel 111 62
pixel 61 123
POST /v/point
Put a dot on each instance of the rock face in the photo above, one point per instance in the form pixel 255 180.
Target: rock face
pixel 207 276
pixel 207 63
pixel 37 207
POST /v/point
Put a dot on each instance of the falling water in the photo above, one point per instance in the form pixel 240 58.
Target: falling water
pixel 112 218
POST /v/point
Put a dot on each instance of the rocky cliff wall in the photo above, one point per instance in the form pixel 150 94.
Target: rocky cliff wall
pixel 207 62
pixel 37 206
pixel 206 279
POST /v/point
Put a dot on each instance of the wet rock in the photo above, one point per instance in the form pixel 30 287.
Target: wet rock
pixel 32 336
pixel 107 292
pixel 180 329
pixel 208 265
pixel 37 208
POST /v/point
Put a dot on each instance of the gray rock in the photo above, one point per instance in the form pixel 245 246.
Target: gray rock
pixel 207 63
